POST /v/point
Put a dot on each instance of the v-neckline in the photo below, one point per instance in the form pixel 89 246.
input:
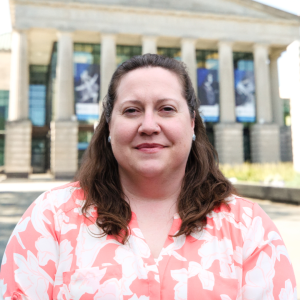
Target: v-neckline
pixel 174 228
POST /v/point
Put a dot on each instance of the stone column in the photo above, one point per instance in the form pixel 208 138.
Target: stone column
pixel 285 139
pixel 294 58
pixel 226 78
pixel 64 128
pixel 265 134
pixel 149 44
pixel 18 128
pixel 262 84
pixel 108 61
pixel 188 56
pixel 64 107
pixel 277 104
pixel 228 133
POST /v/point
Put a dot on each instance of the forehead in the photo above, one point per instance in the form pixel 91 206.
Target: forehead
pixel 149 81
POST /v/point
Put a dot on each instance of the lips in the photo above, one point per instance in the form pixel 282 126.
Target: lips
pixel 149 147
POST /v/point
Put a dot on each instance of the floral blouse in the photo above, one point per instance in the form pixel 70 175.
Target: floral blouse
pixel 56 253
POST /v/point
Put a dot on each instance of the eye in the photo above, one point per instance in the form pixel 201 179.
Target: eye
pixel 130 110
pixel 168 109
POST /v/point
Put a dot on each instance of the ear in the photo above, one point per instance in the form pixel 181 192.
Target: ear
pixel 193 120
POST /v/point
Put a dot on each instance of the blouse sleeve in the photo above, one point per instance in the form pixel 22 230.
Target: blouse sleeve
pixel 29 262
pixel 267 268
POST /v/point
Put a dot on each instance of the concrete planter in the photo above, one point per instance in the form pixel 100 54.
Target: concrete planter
pixel 282 194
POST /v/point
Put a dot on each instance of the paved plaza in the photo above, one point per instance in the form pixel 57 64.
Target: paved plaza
pixel 15 197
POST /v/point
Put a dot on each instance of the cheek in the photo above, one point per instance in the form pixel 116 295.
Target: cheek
pixel 180 133
pixel 123 133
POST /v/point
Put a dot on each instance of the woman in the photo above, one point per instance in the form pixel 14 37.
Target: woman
pixel 151 216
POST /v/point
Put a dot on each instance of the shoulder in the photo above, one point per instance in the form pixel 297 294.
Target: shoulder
pixel 63 198
pixel 240 208
pixel 251 219
pixel 236 207
pixel 241 212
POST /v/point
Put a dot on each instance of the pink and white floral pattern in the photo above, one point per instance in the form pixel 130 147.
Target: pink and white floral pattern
pixel 56 253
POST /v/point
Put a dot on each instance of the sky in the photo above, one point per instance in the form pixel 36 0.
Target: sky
pixel 292 6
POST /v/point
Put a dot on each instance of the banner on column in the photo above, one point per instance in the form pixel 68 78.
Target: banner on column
pixel 86 85
pixel 244 96
pixel 208 93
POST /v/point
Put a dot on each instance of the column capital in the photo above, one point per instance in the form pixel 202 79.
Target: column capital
pixel 149 37
pixel 109 35
pixel 189 40
pixel 229 43
pixel 261 45
pixel 149 44
pixel 21 30
pixel 60 33
pixel 275 54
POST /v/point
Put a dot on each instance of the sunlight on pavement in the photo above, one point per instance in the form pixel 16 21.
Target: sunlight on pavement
pixel 287 219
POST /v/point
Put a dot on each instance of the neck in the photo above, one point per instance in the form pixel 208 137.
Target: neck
pixel 152 195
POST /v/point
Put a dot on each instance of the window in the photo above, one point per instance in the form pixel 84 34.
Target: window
pixel 286 112
pixel 126 52
pixel 4 99
pixel 37 94
pixel 50 98
pixel 170 52
pixel 245 103
pixel 84 137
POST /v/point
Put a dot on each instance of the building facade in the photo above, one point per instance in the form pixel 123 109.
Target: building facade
pixel 62 55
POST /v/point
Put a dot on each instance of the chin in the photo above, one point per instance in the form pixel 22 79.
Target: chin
pixel 150 170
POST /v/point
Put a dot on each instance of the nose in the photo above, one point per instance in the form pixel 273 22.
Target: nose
pixel 149 124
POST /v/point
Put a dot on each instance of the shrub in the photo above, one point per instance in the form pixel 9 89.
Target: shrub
pixel 263 173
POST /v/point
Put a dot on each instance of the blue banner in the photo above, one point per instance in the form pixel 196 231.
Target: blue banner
pixel 208 93
pixel 87 87
pixel 245 96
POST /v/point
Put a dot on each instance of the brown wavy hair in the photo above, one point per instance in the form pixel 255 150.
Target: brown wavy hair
pixel 203 187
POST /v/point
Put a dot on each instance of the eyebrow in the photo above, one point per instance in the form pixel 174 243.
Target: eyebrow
pixel 139 101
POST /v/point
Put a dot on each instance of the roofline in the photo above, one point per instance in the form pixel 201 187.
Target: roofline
pixel 268 9
pixel 284 17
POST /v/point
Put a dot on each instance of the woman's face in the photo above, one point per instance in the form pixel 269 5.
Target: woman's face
pixel 151 128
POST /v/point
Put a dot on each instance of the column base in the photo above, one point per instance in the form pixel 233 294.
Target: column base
pixel 286 149
pixel 64 153
pixel 229 143
pixel 17 153
pixel 17 175
pixel 265 143
pixel 64 175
